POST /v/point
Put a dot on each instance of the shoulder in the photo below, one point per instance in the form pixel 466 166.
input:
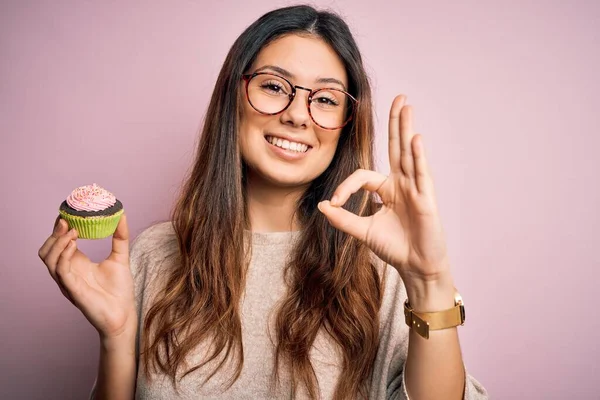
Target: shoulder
pixel 151 253
pixel 154 244
pixel 156 238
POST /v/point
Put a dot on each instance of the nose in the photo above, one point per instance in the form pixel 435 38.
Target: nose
pixel 297 112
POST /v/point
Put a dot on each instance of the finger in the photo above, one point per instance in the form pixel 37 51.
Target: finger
pixel 63 269
pixel 394 133
pixel 51 260
pixel 406 136
pixel 360 179
pixel 60 228
pixel 422 175
pixel 345 221
pixel 120 242
pixel 56 223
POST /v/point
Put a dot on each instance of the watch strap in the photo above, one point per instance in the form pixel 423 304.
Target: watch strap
pixel 423 322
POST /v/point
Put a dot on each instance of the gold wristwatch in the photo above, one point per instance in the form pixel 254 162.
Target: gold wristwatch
pixel 423 322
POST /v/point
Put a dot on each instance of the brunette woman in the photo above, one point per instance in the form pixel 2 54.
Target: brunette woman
pixel 290 269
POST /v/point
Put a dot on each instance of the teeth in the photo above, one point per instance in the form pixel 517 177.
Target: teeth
pixel 287 145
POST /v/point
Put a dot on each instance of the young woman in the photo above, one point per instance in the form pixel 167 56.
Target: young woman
pixel 281 275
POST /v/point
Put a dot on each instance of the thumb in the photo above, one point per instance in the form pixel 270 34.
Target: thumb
pixel 120 242
pixel 344 220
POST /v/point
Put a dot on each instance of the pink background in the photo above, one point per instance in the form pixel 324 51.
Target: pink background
pixel 506 94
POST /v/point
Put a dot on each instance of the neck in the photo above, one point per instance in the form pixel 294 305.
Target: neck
pixel 272 208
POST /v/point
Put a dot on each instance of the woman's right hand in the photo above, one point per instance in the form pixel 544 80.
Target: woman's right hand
pixel 103 292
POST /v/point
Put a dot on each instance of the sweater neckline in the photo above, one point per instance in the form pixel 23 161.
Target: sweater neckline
pixel 273 238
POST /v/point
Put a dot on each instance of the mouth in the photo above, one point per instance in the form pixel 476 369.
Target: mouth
pixel 288 145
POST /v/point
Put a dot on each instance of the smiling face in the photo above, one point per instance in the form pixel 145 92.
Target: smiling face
pixel 289 149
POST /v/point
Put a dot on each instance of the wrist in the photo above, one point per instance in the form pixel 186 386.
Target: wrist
pixel 431 295
pixel 123 342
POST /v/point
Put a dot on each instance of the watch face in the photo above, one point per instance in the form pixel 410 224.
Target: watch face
pixel 462 314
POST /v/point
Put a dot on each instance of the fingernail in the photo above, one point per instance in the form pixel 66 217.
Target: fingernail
pixel 334 200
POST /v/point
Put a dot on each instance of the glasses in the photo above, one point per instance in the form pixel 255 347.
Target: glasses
pixel 271 94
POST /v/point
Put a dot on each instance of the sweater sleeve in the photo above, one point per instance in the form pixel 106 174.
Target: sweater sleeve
pixel 388 374
pixel 142 254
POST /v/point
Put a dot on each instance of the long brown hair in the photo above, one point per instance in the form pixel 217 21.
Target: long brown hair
pixel 333 286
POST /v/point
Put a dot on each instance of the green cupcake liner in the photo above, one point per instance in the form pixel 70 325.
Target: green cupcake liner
pixel 93 227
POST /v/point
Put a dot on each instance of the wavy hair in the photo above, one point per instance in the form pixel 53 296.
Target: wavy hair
pixel 333 285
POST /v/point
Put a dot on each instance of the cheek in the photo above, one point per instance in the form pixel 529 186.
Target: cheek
pixel 327 150
pixel 329 142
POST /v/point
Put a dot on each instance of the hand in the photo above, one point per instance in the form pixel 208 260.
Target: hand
pixel 103 292
pixel 406 232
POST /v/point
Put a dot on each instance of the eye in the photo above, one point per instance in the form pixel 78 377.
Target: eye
pixel 273 87
pixel 327 101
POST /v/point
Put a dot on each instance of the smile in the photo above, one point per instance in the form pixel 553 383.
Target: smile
pixel 287 145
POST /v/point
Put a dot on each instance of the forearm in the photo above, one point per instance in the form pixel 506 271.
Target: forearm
pixel 117 369
pixel 434 367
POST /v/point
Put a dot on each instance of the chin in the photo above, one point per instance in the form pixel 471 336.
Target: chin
pixel 284 177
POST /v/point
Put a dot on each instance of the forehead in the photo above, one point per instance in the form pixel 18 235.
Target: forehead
pixel 306 57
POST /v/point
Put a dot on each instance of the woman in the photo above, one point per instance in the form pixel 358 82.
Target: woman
pixel 278 276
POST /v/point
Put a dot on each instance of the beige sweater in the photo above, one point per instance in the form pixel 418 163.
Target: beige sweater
pixel 264 289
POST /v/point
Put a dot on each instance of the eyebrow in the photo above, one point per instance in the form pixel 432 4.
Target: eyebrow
pixel 289 75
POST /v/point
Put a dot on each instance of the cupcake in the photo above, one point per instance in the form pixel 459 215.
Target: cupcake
pixel 93 211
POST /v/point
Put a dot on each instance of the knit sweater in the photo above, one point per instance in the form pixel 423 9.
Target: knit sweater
pixel 265 287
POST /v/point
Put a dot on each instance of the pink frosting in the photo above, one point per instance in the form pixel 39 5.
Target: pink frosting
pixel 91 198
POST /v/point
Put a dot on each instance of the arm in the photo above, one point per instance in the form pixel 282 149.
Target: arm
pixel 104 293
pixel 117 369
pixel 390 368
pixel 434 367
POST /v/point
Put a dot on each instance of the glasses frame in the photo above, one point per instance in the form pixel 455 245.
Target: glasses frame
pixel 248 77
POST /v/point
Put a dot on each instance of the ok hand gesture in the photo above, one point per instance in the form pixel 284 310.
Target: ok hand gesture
pixel 406 232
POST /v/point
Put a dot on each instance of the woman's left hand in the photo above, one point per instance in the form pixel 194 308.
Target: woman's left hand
pixel 406 232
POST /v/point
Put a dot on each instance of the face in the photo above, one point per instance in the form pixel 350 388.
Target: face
pixel 308 62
